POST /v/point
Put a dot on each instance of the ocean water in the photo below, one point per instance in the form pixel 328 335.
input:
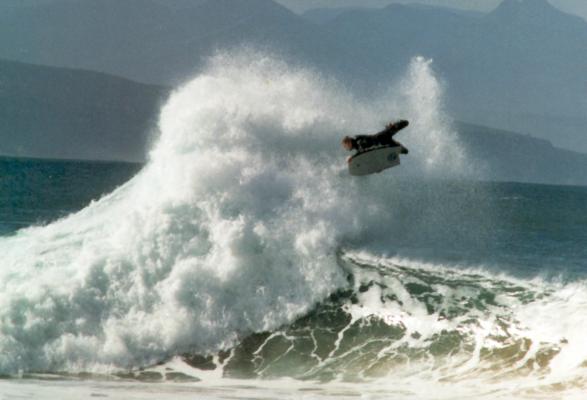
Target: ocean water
pixel 242 261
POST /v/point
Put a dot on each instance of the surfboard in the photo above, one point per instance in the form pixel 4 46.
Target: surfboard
pixel 374 160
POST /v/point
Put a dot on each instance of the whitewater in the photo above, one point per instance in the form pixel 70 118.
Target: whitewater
pixel 244 252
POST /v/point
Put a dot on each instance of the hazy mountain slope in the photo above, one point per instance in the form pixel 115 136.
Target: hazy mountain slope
pixel 521 67
pixel 325 15
pixel 523 60
pixel 63 113
pixel 522 63
pixel 152 40
pixel 507 156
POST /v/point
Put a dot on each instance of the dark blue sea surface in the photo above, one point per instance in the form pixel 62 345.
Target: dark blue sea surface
pixel 543 226
pixel 519 228
pixel 36 192
pixel 522 229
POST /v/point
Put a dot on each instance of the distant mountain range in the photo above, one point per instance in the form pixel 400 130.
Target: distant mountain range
pixel 521 67
pixel 154 41
pixel 62 113
pixel 506 156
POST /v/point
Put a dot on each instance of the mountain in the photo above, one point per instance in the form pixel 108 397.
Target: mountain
pixel 533 12
pixel 520 67
pixel 522 63
pixel 64 113
pixel 154 41
pixel 508 156
pixel 51 112
pixel 324 15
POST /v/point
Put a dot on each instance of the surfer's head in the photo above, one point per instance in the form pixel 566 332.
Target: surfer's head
pixel 347 143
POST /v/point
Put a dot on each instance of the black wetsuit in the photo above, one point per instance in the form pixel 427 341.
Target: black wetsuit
pixel 383 138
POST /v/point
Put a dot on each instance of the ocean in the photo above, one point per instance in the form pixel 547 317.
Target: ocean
pixel 241 261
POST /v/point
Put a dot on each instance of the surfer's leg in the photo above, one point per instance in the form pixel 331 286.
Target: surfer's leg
pixel 397 126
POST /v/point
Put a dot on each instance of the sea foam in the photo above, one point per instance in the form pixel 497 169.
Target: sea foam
pixel 232 226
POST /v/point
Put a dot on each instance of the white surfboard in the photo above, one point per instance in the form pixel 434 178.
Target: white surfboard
pixel 374 160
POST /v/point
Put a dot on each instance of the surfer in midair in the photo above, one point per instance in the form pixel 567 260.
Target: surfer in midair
pixel 383 138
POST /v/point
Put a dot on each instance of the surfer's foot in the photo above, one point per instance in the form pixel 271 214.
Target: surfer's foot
pixel 397 125
pixel 404 150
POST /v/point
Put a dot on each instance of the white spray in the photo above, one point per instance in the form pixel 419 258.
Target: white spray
pixel 230 228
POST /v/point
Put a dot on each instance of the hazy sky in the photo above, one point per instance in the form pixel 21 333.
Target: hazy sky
pixel 578 7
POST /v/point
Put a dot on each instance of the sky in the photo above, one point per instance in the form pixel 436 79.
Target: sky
pixel 578 7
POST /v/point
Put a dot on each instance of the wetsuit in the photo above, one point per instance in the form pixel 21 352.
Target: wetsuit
pixel 383 138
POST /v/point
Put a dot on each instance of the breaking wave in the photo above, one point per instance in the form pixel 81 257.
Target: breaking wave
pixel 226 248
pixel 426 331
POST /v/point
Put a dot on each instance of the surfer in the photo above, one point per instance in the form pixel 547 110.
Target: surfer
pixel 383 138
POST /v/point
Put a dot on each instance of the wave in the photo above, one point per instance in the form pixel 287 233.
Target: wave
pixel 231 228
pixel 424 331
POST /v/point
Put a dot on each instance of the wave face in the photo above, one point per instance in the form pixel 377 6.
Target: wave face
pixel 415 330
pixel 231 228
